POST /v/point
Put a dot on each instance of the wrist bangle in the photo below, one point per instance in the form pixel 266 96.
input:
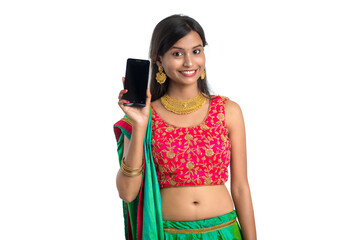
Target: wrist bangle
pixel 130 172
pixel 130 168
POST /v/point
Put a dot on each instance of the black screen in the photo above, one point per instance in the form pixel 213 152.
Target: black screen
pixel 136 81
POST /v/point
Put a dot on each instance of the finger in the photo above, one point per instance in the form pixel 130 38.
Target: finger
pixel 148 96
pixel 122 92
pixel 121 106
pixel 121 102
pixel 123 80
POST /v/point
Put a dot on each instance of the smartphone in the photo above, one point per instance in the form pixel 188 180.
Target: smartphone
pixel 136 81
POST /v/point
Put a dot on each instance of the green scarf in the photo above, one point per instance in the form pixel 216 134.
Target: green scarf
pixel 143 216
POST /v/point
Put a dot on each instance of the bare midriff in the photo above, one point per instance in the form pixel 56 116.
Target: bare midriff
pixel 195 203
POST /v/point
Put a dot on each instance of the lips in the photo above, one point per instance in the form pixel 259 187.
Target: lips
pixel 189 73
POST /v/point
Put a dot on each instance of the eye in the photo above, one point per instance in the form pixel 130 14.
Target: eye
pixel 196 51
pixel 177 54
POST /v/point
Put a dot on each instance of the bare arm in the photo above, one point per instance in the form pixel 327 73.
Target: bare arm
pixel 128 187
pixel 240 190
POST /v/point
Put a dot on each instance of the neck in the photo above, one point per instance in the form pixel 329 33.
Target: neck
pixel 182 92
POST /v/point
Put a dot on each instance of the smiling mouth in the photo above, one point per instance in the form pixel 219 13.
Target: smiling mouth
pixel 189 73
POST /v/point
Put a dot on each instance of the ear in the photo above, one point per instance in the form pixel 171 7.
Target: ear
pixel 159 61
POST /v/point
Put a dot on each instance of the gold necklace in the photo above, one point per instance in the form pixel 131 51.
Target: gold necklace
pixel 182 106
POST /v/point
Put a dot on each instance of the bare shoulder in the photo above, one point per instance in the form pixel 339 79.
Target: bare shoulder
pixel 232 106
pixel 233 112
pixel 234 115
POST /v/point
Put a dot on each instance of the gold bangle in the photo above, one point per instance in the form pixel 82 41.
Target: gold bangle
pixel 131 171
pixel 131 174
pixel 129 168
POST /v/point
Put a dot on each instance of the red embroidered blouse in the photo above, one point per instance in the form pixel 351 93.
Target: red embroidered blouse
pixel 192 156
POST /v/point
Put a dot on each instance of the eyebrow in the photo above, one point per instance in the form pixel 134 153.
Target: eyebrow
pixel 183 49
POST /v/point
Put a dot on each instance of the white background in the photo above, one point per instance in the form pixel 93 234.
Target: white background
pixel 293 66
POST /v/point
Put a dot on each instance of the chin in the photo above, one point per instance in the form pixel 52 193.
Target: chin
pixel 191 81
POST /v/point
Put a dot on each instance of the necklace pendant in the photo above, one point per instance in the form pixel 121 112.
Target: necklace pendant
pixel 182 107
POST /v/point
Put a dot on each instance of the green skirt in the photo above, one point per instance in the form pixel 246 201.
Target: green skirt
pixel 222 227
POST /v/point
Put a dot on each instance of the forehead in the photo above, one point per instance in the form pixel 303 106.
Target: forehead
pixel 189 41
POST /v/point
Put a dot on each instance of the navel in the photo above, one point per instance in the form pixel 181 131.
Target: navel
pixel 195 202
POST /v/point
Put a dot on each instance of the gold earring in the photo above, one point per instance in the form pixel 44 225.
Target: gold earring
pixel 160 76
pixel 202 75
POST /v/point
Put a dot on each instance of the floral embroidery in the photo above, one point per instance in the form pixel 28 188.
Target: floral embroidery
pixel 221 116
pixel 190 165
pixel 192 156
pixel 188 137
pixel 169 129
pixel 209 152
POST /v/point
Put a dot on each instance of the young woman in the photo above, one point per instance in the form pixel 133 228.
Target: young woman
pixel 194 137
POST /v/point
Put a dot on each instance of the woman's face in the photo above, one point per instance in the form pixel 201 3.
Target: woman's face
pixel 184 62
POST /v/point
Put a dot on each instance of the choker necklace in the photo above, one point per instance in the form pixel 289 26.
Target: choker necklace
pixel 182 106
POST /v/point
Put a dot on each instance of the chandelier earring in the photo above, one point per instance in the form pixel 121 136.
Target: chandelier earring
pixel 160 76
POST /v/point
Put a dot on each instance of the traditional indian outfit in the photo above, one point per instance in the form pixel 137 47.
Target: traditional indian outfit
pixel 176 156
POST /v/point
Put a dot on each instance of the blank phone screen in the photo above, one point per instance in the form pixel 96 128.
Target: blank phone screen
pixel 136 81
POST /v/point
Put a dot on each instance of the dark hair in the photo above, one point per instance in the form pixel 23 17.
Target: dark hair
pixel 166 33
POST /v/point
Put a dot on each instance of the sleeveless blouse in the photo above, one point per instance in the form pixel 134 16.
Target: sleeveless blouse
pixel 192 156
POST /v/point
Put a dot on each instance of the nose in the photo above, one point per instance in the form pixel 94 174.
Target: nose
pixel 188 60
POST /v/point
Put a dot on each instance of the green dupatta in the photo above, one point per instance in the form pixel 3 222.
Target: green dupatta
pixel 143 216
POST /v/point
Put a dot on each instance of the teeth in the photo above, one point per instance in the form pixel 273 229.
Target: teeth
pixel 188 72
